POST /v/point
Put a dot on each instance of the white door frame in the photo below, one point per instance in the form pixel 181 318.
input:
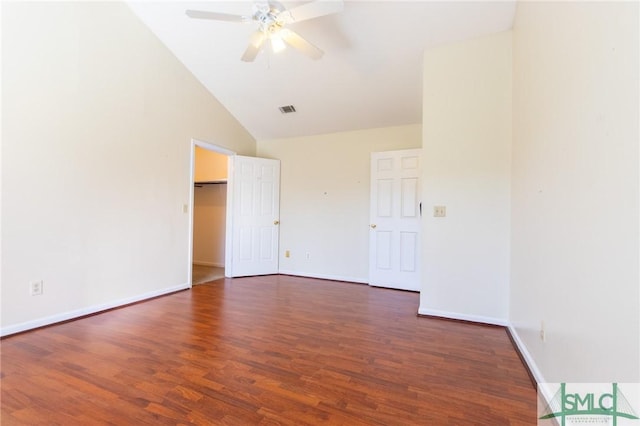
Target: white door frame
pixel 192 172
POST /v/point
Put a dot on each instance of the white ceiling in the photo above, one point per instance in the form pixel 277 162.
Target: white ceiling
pixel 370 75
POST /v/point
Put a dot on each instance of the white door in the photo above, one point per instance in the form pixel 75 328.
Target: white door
pixel 394 243
pixel 253 215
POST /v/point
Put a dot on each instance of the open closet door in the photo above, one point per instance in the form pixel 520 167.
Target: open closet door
pixel 394 247
pixel 253 216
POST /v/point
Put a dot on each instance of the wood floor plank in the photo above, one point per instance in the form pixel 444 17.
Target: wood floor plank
pixel 275 350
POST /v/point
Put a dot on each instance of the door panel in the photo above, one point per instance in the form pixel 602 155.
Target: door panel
pixel 383 249
pixel 409 196
pixel 394 252
pixel 408 252
pixel 254 197
pixel 385 197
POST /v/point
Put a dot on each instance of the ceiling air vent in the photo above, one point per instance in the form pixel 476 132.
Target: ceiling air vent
pixel 287 109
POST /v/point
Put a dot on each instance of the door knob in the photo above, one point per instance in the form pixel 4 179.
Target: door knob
pixel 373 226
pixel 276 222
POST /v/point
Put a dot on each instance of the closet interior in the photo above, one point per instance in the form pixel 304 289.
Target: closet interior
pixel 209 215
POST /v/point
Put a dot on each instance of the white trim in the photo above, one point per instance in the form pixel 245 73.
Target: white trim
pixel 228 231
pixel 464 317
pixel 65 316
pixel 325 276
pixel 545 393
pixel 192 176
pixel 203 263
pixel 537 375
pixel 212 147
pixel 417 290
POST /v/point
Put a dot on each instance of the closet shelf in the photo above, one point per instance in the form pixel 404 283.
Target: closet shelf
pixel 201 183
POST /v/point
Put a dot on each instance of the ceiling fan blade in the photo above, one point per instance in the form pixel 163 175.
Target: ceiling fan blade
pixel 315 9
pixel 294 40
pixel 202 14
pixel 255 44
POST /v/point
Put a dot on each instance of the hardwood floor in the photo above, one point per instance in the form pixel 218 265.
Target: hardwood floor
pixel 266 350
pixel 201 274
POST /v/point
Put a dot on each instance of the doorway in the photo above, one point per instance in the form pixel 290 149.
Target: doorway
pixel 249 190
pixel 209 176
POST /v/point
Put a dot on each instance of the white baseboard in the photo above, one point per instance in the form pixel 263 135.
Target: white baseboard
pixel 545 393
pixel 65 316
pixel 533 367
pixel 464 317
pixel 203 263
pixel 395 288
pixel 325 277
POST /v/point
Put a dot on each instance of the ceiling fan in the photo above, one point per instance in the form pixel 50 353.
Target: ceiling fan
pixel 272 18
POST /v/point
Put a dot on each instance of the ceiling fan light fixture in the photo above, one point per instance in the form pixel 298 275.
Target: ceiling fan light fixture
pixel 277 44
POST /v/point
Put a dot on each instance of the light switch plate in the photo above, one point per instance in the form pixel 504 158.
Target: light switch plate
pixel 439 211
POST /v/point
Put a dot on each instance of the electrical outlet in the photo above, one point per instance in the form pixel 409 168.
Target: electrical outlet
pixel 36 288
pixel 308 255
pixel 543 336
pixel 287 253
pixel 439 211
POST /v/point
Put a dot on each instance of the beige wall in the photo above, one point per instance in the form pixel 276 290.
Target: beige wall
pixel 97 123
pixel 575 189
pixel 466 167
pixel 324 204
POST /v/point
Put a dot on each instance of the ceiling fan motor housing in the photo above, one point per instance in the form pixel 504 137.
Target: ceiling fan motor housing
pixel 269 16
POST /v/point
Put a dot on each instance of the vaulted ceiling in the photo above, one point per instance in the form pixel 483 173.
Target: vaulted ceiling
pixel 370 75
